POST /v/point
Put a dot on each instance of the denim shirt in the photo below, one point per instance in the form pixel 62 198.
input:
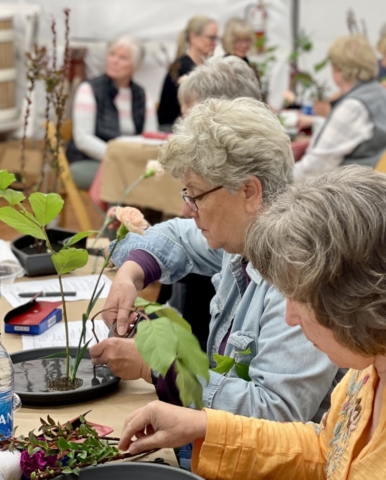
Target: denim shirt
pixel 289 376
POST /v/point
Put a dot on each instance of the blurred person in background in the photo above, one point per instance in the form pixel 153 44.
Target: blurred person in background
pixel 195 43
pixel 382 61
pixel 238 38
pixel 107 107
pixel 355 130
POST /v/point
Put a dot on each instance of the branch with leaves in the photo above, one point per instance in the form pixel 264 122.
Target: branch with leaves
pixel 62 449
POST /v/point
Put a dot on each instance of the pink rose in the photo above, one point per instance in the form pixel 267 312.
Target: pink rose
pixel 132 219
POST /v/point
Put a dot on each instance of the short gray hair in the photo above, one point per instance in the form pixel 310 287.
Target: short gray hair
pixel 135 47
pixel 228 141
pixel 322 243
pixel 228 77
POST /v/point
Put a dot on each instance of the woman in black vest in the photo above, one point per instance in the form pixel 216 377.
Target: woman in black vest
pixel 107 107
pixel 195 43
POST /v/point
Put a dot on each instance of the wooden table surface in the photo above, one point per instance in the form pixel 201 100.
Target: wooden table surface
pixel 110 410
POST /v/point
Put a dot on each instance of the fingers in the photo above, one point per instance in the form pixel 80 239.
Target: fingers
pixel 149 442
pixel 98 354
pixel 136 422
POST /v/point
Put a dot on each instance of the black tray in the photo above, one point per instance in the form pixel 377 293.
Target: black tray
pixel 36 264
pixel 32 372
pixel 131 471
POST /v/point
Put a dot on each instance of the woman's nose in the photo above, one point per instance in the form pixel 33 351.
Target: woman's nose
pixel 188 212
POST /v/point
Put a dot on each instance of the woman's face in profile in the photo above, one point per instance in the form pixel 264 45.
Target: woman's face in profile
pixel 323 338
pixel 119 65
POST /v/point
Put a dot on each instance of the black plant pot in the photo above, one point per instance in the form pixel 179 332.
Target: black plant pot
pixel 36 264
pixel 132 470
pixel 32 373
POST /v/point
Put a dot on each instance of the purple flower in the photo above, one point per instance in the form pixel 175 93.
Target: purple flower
pixel 37 461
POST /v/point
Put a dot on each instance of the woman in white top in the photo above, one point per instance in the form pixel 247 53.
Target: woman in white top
pixel 107 107
pixel 355 130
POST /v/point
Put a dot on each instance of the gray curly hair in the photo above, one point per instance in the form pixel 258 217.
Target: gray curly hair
pixel 227 141
pixel 322 243
pixel 221 77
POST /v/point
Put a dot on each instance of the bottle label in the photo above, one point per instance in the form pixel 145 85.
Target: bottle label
pixel 6 417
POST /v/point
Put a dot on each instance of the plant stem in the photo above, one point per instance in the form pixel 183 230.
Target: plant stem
pixel 64 307
pixel 66 327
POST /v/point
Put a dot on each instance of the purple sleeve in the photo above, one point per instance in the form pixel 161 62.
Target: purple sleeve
pixel 148 264
pixel 166 388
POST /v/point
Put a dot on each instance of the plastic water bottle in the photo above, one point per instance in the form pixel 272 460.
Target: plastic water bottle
pixel 6 392
pixel 308 102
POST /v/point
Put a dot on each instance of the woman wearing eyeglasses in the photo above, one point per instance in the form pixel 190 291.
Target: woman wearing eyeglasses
pixel 195 43
pixel 321 244
pixel 232 156
pixel 238 38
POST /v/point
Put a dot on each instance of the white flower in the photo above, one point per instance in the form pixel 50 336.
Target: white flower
pixel 153 167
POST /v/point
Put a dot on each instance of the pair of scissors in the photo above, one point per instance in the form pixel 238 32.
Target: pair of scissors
pixel 132 327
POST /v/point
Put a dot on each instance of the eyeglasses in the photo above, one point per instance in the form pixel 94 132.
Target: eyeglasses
pixel 212 38
pixel 191 201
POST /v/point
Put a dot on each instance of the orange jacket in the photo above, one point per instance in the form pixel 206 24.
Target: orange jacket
pixel 241 448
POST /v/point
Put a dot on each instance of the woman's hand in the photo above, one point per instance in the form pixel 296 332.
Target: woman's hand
pixel 122 358
pixel 123 292
pixel 160 425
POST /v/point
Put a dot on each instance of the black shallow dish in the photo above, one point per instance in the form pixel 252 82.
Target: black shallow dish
pixel 132 471
pixel 32 372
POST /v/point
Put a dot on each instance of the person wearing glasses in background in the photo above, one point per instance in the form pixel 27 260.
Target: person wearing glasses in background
pixel 232 157
pixel 195 43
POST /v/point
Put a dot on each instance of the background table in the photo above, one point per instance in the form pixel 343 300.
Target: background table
pixel 124 162
pixel 110 410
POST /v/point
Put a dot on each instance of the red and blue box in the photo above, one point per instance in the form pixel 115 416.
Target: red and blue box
pixel 32 318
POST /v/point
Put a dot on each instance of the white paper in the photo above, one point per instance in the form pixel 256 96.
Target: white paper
pixel 83 286
pixel 56 336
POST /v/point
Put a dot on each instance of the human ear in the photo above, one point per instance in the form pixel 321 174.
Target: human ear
pixel 253 192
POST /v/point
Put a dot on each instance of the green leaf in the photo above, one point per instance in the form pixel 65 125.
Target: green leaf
pixel 157 344
pixel 20 222
pixel 56 355
pixel 63 444
pixel 77 237
pixel 79 355
pixel 245 352
pixel 224 363
pixel 319 66
pixel 67 470
pixel 93 301
pixel 242 371
pixel 6 179
pixel 12 196
pixel 189 387
pixel 170 313
pixel 190 352
pixel 69 259
pixel 46 206
pixel 50 420
pixel 141 302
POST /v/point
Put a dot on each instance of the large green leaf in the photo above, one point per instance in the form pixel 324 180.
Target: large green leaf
pixel 77 237
pixel 20 222
pixel 157 344
pixel 242 371
pixel 6 179
pixel 46 207
pixel 224 363
pixel 189 387
pixel 69 259
pixel 170 313
pixel 12 196
pixel 141 302
pixel 190 352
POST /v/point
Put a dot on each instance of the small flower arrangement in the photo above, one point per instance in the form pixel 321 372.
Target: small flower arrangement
pixel 62 449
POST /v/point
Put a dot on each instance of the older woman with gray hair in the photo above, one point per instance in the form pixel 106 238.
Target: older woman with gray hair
pixel 107 107
pixel 322 245
pixel 355 130
pixel 228 77
pixel 232 156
